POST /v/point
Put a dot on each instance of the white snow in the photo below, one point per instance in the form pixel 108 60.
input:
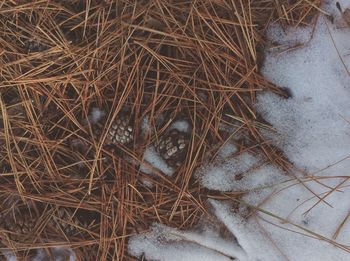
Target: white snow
pixel 244 172
pixel 96 115
pixel 296 219
pixel 227 150
pixel 164 243
pixel 315 135
pixel 58 254
pixel 181 125
pixel 9 255
pixel 302 215
pixel 153 161
pixel 251 239
pixel 146 126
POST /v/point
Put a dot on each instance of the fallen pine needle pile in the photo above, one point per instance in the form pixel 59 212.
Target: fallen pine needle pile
pixel 87 86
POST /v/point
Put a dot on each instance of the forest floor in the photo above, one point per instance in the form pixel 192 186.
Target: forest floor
pixel 174 130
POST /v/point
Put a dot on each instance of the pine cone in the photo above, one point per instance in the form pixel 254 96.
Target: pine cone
pixel 121 131
pixel 172 147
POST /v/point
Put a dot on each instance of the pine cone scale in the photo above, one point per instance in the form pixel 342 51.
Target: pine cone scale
pixel 172 147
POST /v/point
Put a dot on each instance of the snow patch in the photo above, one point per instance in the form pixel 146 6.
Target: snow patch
pixel 154 160
pixel 303 215
pixel 166 243
pixel 181 125
pixel 314 133
pixel 96 115
pixel 58 254
pixel 244 172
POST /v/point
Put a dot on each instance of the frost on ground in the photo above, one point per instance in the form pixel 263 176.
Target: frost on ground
pixel 305 215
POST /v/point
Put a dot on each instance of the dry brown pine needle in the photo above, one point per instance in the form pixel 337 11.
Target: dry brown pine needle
pixel 161 60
